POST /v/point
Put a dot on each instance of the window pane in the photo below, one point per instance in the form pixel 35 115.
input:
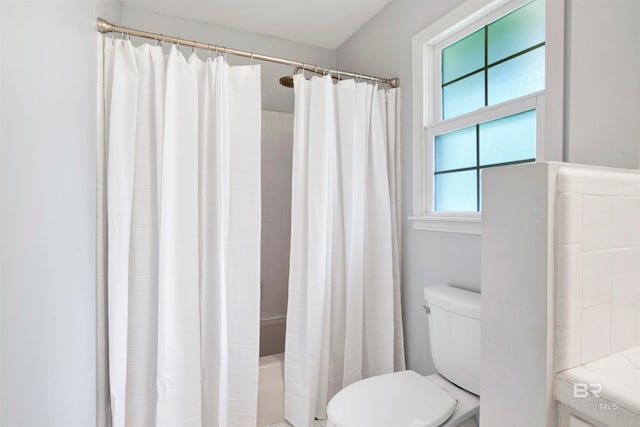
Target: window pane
pixel 463 96
pixel 456 191
pixel 508 139
pixel 463 56
pixel 517 77
pixel 516 31
pixel 455 150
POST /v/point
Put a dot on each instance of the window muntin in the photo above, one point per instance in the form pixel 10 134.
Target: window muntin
pixel 501 61
pixel 461 155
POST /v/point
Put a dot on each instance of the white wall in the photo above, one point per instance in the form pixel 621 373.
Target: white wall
pixel 602 85
pixel 275 97
pixel 383 47
pixel 48 99
pixel 517 295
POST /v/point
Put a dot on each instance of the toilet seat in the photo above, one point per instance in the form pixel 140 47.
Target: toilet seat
pixel 401 399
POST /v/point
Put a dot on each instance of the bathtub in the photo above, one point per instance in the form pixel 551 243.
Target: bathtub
pixel 271 372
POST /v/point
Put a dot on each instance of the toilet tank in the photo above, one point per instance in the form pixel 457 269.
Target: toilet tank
pixel 454 334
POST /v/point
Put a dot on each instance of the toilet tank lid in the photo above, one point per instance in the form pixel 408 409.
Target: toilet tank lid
pixel 455 300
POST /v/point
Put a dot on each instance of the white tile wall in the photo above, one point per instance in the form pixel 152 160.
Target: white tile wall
pixel 277 151
pixel 597 264
pixel 625 217
pixel 596 278
pixel 596 222
pixel 596 332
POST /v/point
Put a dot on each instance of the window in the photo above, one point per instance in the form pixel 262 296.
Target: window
pixel 460 155
pixel 482 76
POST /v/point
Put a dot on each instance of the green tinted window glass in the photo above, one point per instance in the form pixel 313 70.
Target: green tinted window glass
pixel 463 57
pixel 508 139
pixel 456 150
pixel 495 64
pixel 516 77
pixel 463 96
pixel 456 191
pixel 517 31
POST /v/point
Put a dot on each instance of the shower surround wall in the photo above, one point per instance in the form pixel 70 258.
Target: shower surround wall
pixel 277 152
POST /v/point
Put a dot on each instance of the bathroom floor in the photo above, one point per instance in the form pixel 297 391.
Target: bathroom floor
pixel 316 423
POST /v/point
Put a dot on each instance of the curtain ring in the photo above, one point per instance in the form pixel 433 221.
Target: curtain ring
pixel 224 54
pixel 193 48
pixel 252 62
pixel 209 50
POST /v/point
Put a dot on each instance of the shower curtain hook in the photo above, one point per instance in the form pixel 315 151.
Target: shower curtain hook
pixel 193 48
pixel 252 62
pixel 224 53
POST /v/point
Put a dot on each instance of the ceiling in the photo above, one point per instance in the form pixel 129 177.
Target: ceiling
pixel 323 23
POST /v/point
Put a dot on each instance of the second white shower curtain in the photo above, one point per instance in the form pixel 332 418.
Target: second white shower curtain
pixel 344 319
pixel 183 206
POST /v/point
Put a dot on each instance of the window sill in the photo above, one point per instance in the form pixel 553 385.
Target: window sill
pixel 448 223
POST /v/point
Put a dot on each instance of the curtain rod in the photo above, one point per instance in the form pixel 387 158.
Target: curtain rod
pixel 107 27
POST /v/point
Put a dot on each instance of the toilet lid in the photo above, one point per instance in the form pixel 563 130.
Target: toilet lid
pixel 401 399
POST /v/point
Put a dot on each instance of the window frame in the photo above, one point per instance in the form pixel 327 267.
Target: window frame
pixel 427 103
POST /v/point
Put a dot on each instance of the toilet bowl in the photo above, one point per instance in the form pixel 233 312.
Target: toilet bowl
pixel 408 399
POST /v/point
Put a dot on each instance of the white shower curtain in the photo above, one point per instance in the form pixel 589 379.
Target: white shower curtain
pixel 182 141
pixel 343 321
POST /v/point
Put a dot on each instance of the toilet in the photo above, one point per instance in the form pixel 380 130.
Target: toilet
pixel 408 399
